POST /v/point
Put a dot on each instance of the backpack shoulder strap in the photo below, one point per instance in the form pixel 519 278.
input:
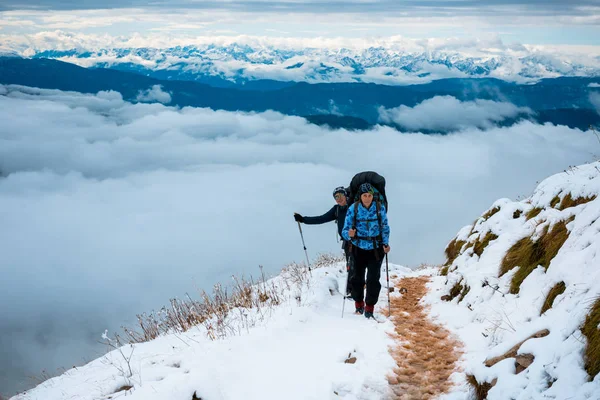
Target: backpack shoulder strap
pixel 355 215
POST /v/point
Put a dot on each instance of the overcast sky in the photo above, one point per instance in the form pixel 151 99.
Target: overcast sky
pixel 108 208
pixel 527 22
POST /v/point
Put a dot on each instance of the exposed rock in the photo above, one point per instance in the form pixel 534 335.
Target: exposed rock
pixel 512 353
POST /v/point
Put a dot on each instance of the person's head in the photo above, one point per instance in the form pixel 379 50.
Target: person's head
pixel 366 192
pixel 340 195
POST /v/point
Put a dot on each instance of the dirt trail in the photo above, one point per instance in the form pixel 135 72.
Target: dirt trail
pixel 426 353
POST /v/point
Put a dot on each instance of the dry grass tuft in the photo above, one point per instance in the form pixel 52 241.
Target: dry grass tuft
pixel 479 246
pixel 518 254
pixel 455 291
pixel 490 213
pixel 464 292
pixel 558 289
pixel 123 388
pixel 444 270
pixel 592 333
pixel 528 254
pixel 453 250
pixel 426 357
pixel 555 200
pixel 534 212
pixel 480 390
pixel 568 201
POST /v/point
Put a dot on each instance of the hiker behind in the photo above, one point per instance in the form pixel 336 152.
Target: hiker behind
pixel 337 213
pixel 367 228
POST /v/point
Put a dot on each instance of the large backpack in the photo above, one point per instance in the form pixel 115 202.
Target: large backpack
pixel 376 180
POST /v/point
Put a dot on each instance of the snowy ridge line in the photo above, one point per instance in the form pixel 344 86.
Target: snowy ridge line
pixel 241 351
pixel 394 60
pixel 521 288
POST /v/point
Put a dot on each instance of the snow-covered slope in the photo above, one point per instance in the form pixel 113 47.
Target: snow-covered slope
pixel 494 300
pixel 521 290
pixel 294 346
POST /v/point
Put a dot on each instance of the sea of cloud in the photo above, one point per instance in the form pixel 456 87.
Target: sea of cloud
pixel 110 208
pixel 443 113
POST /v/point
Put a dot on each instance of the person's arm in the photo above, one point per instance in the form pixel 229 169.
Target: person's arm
pixel 385 234
pixel 348 223
pixel 321 219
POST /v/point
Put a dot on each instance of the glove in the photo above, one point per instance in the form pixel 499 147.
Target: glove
pixel 298 217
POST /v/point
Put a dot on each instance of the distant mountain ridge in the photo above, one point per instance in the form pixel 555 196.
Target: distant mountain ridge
pixel 561 100
pixel 240 63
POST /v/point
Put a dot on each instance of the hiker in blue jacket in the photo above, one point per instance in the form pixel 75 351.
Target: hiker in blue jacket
pixel 366 227
pixel 336 213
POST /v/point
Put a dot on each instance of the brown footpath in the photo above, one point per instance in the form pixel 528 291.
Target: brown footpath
pixel 426 354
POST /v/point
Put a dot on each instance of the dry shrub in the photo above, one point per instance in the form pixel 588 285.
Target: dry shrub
pixel 534 212
pixel 225 311
pixel 559 288
pixel 517 214
pixel 592 333
pixel 568 201
pixel 528 254
pixel 453 250
pixel 479 246
pixel 490 213
pixel 480 390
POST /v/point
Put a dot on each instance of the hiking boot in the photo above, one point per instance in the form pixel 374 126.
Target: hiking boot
pixel 369 311
pixel 360 307
pixel 368 314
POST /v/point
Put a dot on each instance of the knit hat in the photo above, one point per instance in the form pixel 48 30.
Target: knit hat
pixel 366 188
pixel 340 189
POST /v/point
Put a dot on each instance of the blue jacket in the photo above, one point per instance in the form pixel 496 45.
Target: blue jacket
pixel 367 226
pixel 337 212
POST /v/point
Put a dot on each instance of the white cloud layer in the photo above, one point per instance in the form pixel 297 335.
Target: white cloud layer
pixel 110 208
pixel 154 94
pixel 442 113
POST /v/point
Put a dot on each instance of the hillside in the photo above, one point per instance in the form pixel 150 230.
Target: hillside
pixel 519 295
pixel 522 289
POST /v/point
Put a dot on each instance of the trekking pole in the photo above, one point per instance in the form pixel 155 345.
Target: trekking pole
pixel 303 244
pixel 387 276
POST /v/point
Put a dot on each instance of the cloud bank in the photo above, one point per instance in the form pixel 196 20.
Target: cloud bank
pixel 154 94
pixel 110 208
pixel 443 113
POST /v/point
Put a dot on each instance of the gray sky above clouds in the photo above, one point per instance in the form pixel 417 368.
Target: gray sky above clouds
pixel 129 205
pixel 528 22
pixel 418 7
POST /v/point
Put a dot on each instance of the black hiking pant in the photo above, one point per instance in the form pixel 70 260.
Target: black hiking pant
pixel 369 261
pixel 346 246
